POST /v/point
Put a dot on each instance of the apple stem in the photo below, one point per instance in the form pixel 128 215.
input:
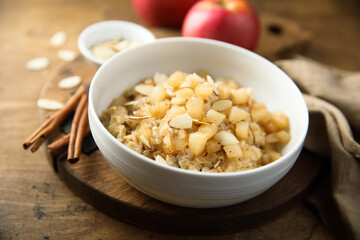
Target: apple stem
pixel 221 2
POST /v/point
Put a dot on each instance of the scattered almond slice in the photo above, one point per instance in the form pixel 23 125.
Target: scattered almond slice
pixel 144 89
pixel 145 141
pixel 49 104
pixel 211 81
pixel 131 103
pixel 160 78
pixel 160 159
pixel 216 164
pixel 138 118
pixel 69 82
pixel 66 55
pixel 226 138
pixel 58 39
pixel 37 64
pixel 182 121
pixel 201 122
pixel 222 104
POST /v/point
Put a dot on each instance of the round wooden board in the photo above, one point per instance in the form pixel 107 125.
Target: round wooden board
pixel 95 182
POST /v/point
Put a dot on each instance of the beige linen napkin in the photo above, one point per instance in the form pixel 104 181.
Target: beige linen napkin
pixel 333 100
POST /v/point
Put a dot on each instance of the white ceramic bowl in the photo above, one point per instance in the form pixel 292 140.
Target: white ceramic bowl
pixel 183 187
pixel 110 30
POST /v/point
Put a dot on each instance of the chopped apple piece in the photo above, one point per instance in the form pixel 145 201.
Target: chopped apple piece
pixel 158 94
pixel 210 130
pixel 195 107
pixel 176 79
pixel 237 115
pixel 204 90
pixel 212 146
pixel 233 151
pixel 242 130
pixel 240 96
pixel 197 142
pixel 226 138
pixel 160 78
pixel 213 116
pixel 280 120
pixel 183 94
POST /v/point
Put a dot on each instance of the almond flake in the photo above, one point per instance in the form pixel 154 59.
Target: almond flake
pixel 58 39
pixel 211 81
pixel 201 122
pixel 69 82
pixel 102 52
pixel 225 138
pixel 144 89
pixel 221 105
pixel 182 121
pixel 160 78
pixel 49 104
pixel 160 159
pixel 66 55
pixel 145 141
pixel 38 64
pixel 131 103
pixel 138 118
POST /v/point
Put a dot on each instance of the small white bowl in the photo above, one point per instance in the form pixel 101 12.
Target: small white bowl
pixel 183 187
pixel 110 30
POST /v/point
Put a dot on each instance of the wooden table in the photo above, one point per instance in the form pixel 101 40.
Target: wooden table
pixel 34 203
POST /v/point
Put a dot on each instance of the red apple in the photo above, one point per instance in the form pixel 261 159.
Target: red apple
pixel 232 21
pixel 162 13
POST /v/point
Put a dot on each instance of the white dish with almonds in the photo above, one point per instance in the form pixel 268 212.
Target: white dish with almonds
pixel 100 41
pixel 184 187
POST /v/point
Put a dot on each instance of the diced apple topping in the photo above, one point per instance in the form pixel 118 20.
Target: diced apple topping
pixel 213 116
pixel 233 151
pixel 237 115
pixel 191 121
pixel 197 142
pixel 226 138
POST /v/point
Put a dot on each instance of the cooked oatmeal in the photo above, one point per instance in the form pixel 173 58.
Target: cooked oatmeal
pixel 193 122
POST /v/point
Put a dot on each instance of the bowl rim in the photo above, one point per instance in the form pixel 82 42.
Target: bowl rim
pixel 298 145
pixel 98 27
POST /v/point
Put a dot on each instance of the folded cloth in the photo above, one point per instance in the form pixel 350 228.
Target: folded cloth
pixel 330 94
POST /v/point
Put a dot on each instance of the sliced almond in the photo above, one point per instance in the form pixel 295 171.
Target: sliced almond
pixel 37 64
pixel 138 118
pixel 160 78
pixel 198 78
pixel 182 121
pixel 201 122
pixel 69 82
pixel 102 52
pixel 160 159
pixel 49 104
pixel 222 104
pixel 217 164
pixel 66 55
pixel 131 103
pixel 58 39
pixel 144 141
pixel 226 138
pixel 144 89
pixel 211 81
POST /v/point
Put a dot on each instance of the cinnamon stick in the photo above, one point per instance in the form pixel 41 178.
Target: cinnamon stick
pixel 80 133
pixel 74 127
pixel 50 125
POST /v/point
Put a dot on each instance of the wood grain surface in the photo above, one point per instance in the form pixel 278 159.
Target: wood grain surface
pixel 34 202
